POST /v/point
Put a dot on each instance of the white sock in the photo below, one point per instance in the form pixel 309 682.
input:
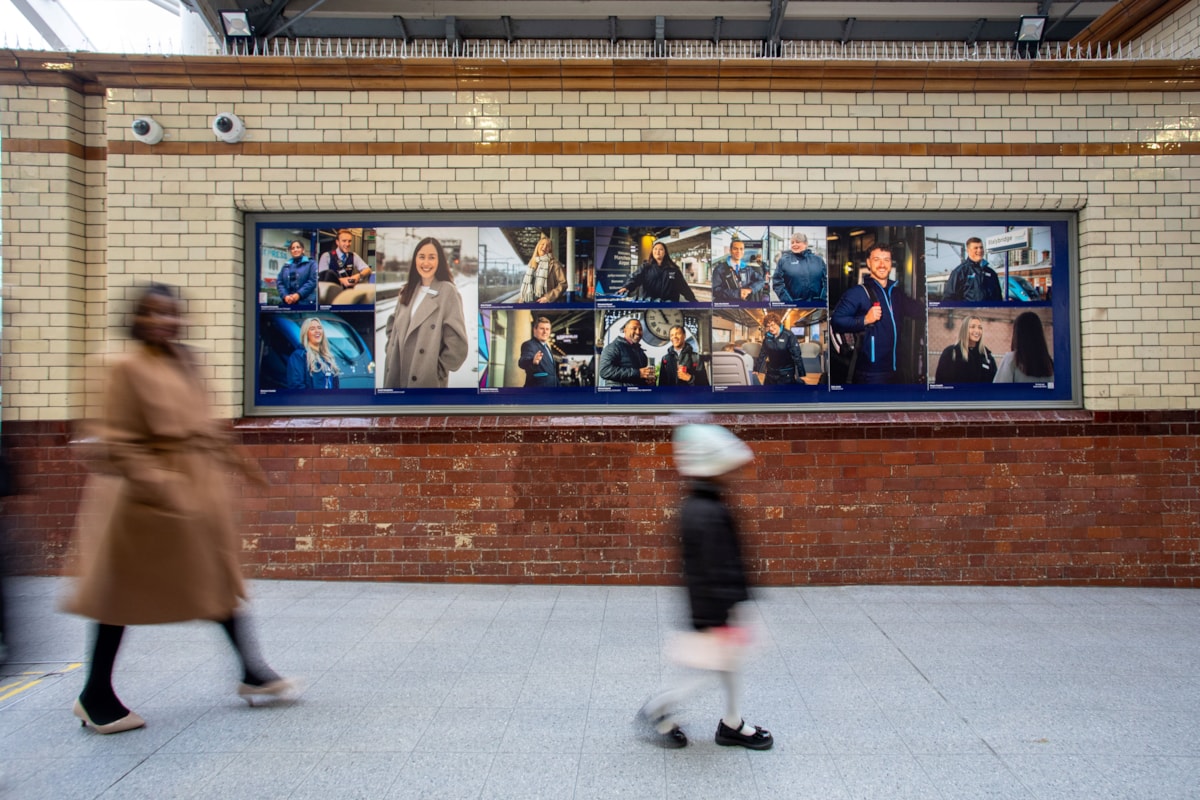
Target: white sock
pixel 741 726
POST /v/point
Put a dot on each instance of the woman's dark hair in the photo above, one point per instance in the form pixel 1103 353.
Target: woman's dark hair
pixel 666 262
pixel 139 306
pixel 1029 346
pixel 414 280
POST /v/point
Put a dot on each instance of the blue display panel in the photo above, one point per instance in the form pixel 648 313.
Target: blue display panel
pixel 399 314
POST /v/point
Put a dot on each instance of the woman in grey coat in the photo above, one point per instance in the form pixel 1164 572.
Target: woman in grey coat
pixel 427 338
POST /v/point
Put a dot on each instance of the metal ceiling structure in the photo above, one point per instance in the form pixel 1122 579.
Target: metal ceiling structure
pixel 55 24
pixel 768 21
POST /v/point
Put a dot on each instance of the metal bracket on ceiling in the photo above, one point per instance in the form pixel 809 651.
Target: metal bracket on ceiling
pixel 55 24
pixel 508 28
pixel 717 29
pixel 847 29
pixel 399 20
pixel 1066 14
pixel 612 30
pixel 266 21
pixel 973 34
pixel 775 24
pixel 291 21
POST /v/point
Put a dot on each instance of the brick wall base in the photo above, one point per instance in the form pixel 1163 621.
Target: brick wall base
pixel 931 498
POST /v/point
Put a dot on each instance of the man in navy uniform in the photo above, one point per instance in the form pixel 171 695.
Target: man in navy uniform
pixel 536 358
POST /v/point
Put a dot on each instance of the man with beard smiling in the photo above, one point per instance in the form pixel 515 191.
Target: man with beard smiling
pixel 874 309
pixel 623 361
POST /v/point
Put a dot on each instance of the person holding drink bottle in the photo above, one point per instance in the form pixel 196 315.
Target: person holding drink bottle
pixel 681 366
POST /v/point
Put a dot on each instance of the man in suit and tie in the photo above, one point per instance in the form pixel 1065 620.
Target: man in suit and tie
pixel 536 358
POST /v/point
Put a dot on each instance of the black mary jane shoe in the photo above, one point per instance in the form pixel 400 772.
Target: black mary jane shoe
pixel 671 740
pixel 729 737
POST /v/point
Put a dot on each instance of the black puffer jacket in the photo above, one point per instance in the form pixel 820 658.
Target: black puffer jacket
pixel 664 282
pixel 668 370
pixel 621 362
pixel 712 558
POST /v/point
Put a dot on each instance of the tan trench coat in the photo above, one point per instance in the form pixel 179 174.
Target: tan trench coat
pixel 156 527
pixel 435 344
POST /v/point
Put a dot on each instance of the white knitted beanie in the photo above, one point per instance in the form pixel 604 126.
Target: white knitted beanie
pixel 705 451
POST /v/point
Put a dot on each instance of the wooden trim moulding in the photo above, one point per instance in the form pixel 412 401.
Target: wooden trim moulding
pixel 98 72
pixel 1126 21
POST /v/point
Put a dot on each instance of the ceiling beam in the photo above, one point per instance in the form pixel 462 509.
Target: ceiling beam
pixel 266 20
pixel 775 23
pixel 973 34
pixel 279 30
pixel 55 24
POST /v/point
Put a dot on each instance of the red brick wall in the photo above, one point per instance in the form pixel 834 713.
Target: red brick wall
pixel 945 497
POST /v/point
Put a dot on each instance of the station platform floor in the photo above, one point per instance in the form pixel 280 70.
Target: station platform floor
pixel 484 691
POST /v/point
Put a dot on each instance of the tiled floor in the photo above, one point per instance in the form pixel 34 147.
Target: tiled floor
pixel 424 691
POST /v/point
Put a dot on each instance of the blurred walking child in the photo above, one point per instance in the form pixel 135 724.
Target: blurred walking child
pixel 716 582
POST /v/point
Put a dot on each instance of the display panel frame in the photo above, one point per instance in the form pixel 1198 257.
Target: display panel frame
pixel 487 380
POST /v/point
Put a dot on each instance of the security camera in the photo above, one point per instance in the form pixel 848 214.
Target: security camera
pixel 145 129
pixel 228 128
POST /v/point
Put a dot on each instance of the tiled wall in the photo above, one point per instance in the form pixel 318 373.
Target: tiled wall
pixel 1126 160
pixel 1179 32
pixel 89 213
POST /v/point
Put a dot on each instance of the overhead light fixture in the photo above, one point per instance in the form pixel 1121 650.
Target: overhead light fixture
pixel 1029 35
pixel 237 24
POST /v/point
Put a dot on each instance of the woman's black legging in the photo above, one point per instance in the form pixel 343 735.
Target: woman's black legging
pixel 101 702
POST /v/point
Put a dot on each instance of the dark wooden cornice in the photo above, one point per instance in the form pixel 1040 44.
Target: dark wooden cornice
pixel 1126 21
pixel 95 73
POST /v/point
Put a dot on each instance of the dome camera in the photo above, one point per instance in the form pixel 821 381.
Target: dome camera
pixel 146 130
pixel 228 127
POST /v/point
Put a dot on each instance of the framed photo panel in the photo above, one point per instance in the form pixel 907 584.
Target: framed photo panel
pixel 400 313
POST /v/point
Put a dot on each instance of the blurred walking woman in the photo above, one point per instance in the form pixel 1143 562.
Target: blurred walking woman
pixel 546 280
pixel 157 534
pixel 312 365
pixel 1030 360
pixel 969 361
pixel 427 338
